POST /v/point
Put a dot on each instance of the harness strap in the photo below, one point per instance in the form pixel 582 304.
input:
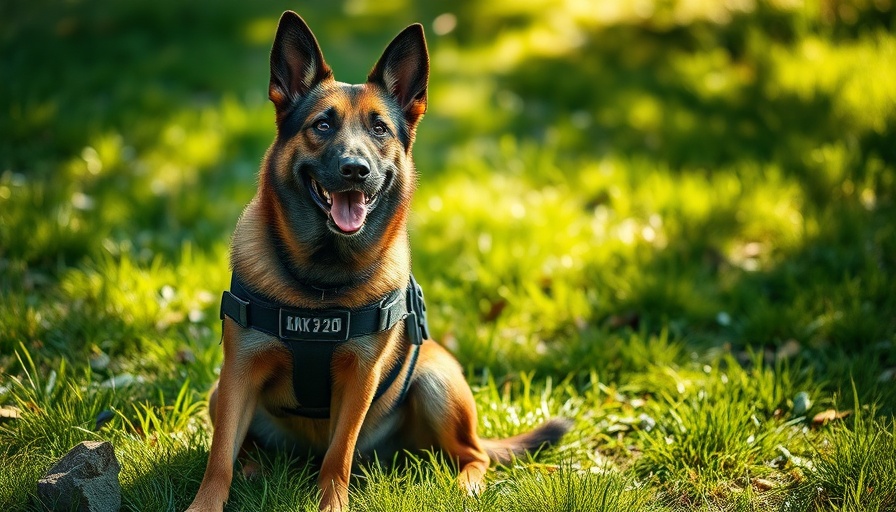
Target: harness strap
pixel 312 336
pixel 317 325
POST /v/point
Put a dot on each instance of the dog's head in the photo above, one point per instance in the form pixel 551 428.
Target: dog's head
pixel 342 158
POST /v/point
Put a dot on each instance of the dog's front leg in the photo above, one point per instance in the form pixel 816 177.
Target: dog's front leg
pixel 351 402
pixel 235 405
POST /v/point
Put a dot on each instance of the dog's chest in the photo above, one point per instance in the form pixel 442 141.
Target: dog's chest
pixel 270 356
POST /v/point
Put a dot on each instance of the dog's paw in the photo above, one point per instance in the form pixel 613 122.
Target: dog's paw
pixel 206 503
pixel 471 482
pixel 471 479
pixel 196 508
pixel 473 489
pixel 333 507
pixel 334 500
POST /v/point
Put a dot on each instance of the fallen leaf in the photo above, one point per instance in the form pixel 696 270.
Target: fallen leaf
pixel 789 349
pixel 829 415
pixel 763 484
pixel 625 319
pixel 617 427
pixel 795 460
pixel 495 310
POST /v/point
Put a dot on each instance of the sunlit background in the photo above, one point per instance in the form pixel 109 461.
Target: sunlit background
pixel 634 196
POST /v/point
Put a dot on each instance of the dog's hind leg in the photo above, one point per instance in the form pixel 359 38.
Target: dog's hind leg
pixel 440 394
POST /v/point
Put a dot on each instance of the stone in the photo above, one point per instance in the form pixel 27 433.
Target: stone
pixel 85 479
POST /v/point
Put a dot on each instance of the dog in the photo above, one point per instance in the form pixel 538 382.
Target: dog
pixel 324 327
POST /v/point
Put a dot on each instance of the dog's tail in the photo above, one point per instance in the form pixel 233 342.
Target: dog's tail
pixel 503 451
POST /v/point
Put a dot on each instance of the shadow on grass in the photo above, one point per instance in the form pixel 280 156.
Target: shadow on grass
pixel 698 99
pixel 648 93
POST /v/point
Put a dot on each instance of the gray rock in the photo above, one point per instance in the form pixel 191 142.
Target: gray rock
pixel 85 479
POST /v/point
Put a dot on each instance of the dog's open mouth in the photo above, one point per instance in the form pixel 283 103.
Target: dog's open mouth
pixel 347 209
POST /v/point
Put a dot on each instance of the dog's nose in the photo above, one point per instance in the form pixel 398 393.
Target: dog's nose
pixel 354 168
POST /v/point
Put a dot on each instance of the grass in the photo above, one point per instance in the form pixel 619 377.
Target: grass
pixel 663 220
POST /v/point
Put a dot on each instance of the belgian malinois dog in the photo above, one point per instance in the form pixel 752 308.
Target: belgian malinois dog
pixel 323 332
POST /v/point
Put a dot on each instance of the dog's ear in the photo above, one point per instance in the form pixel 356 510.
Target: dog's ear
pixel 403 71
pixel 297 64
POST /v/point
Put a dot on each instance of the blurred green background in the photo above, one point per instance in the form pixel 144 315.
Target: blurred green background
pixel 620 189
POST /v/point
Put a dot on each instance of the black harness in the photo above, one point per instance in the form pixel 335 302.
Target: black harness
pixel 312 336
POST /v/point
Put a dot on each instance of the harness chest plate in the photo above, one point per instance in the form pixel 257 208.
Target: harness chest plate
pixel 312 336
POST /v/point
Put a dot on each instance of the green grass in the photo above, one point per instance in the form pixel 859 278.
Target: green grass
pixel 663 220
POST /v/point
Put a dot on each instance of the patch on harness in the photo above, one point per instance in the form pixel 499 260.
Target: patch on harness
pixel 330 325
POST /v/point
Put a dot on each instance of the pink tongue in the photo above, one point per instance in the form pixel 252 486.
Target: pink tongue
pixel 349 210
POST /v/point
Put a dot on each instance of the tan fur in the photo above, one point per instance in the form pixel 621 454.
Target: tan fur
pixel 256 376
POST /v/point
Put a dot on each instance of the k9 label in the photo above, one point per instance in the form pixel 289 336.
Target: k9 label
pixel 324 327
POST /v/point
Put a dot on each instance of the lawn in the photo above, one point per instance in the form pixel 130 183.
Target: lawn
pixel 673 222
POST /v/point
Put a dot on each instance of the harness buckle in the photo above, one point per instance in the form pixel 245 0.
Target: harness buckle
pixel 236 308
pixel 416 324
pixel 388 316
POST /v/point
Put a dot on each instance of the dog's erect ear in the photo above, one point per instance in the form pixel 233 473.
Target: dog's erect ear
pixel 297 64
pixel 404 72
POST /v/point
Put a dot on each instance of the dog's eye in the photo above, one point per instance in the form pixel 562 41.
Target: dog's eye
pixel 322 126
pixel 379 129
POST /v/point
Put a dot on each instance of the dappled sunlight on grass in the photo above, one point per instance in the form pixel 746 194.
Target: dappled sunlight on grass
pixel 619 226
pixel 662 220
pixel 120 193
pixel 856 75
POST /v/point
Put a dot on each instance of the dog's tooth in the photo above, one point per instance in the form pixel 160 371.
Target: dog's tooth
pixel 322 191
